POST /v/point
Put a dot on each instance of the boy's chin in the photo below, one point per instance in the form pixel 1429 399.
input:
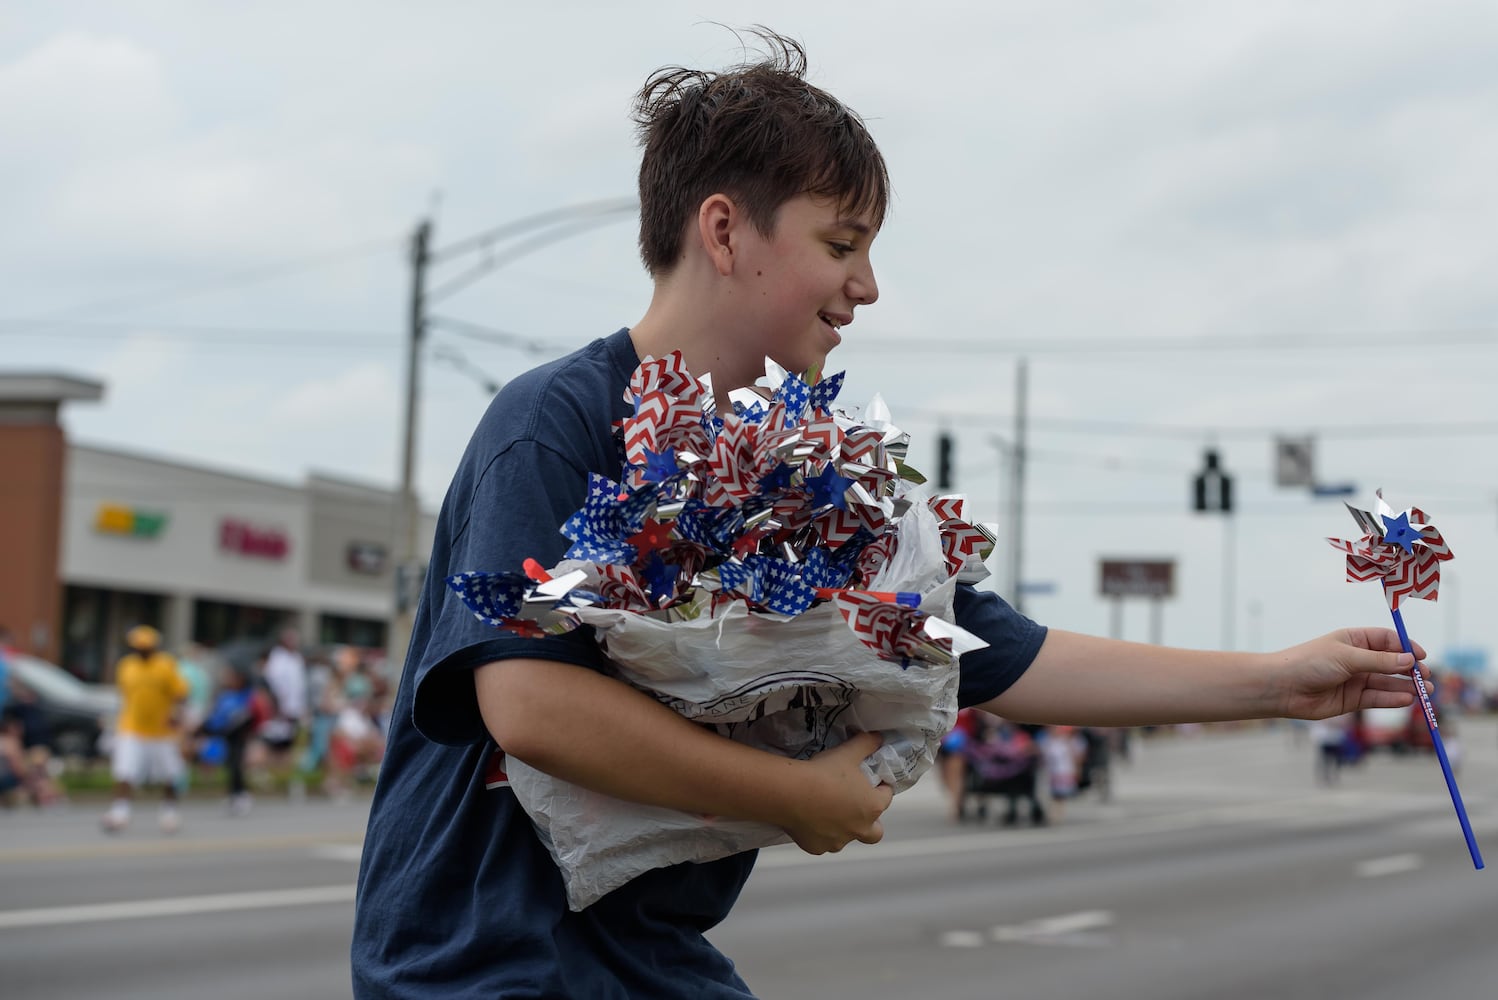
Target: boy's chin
pixel 805 365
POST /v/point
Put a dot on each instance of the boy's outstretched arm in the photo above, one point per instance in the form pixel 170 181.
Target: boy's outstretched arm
pixel 1084 680
pixel 597 732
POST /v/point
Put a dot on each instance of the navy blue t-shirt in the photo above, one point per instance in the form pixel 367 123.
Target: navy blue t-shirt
pixel 457 897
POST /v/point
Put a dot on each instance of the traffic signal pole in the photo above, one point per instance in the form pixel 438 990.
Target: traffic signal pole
pixel 1212 493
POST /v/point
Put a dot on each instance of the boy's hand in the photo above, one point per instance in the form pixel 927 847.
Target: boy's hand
pixel 1344 671
pixel 836 804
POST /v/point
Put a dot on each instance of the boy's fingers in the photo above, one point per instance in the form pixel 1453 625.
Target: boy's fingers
pixel 1383 640
pixel 1378 662
pixel 873 835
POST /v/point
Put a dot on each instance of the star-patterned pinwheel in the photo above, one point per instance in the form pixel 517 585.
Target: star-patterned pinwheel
pixel 824 393
pixel 659 466
pixel 652 536
pixel 503 600
pixel 828 488
pixel 780 499
pixel 1404 551
pixel 793 394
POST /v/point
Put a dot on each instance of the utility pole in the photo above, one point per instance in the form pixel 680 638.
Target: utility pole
pixel 557 224
pixel 1017 488
pixel 1004 508
pixel 408 568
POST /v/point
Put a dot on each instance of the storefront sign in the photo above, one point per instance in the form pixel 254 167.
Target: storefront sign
pixel 1137 578
pixel 246 539
pixel 116 519
pixel 368 558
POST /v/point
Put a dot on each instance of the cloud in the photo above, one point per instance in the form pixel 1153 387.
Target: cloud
pixel 79 94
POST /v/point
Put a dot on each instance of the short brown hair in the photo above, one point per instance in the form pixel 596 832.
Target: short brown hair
pixel 760 134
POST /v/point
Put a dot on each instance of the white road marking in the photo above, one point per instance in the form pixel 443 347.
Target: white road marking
pixel 1052 929
pixel 339 852
pixel 961 939
pixel 1394 864
pixel 175 906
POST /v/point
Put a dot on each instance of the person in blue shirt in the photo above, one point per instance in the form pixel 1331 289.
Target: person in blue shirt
pixel 5 642
pixel 761 198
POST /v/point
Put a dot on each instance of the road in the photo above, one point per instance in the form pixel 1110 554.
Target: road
pixel 1219 870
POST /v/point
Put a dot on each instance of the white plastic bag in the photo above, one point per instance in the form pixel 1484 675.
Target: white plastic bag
pixel 792 686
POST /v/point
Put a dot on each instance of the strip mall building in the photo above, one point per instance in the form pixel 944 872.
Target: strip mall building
pixel 95 540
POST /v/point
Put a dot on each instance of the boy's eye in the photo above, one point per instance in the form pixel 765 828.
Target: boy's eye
pixel 841 249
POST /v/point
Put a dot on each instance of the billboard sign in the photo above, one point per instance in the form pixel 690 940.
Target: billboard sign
pixel 1137 577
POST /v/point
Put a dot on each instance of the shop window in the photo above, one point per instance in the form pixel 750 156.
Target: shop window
pixel 94 624
pixel 217 622
pixel 342 630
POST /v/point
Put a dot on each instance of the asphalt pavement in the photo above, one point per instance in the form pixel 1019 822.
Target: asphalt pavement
pixel 1219 870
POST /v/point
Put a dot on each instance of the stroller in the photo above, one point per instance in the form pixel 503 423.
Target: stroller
pixel 1002 760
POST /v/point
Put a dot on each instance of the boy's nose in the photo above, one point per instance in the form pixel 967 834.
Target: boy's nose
pixel 862 288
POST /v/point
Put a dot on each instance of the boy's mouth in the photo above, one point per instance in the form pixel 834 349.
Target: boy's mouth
pixel 835 321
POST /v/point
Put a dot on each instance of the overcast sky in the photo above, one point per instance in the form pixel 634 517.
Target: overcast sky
pixel 1199 222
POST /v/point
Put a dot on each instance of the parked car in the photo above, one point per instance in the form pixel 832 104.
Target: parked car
pixel 1400 730
pixel 71 713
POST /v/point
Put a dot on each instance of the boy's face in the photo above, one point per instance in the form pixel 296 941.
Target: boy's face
pixel 806 279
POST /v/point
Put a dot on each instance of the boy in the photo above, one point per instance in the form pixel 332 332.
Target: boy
pixel 760 198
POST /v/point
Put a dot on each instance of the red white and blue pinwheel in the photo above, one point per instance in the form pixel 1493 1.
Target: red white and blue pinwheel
pixel 782 503
pixel 1404 552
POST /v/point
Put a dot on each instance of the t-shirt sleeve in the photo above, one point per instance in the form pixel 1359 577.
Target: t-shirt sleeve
pixel 515 510
pixel 1013 640
pixel 180 688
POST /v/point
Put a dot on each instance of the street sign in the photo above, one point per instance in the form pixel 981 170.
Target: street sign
pixel 1294 461
pixel 1136 577
pixel 1037 588
pixel 1469 661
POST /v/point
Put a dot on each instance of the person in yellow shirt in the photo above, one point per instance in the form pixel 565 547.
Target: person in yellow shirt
pixel 145 743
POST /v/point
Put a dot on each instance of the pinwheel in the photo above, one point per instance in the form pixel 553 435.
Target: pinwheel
pixel 782 503
pixel 1404 552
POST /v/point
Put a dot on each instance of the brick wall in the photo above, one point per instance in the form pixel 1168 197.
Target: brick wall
pixel 31 474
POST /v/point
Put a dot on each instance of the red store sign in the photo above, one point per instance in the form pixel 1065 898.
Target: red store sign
pixel 246 539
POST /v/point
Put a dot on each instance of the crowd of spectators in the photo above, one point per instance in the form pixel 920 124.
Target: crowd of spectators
pixel 259 717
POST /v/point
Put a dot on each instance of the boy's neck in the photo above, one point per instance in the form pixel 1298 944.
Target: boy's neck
pixel 697 324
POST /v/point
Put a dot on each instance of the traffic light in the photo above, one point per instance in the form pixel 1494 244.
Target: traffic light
pixel 1212 487
pixel 944 461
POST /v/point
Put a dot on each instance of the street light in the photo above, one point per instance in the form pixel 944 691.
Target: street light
pixel 555 225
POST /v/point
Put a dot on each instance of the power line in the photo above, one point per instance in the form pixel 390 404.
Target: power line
pixel 915 345
pixel 1151 508
pixel 484 240
pixel 450 355
pixel 512 252
pixel 1184 471
pixel 1205 431
pixel 234 280
pixel 493 335
pixel 194 332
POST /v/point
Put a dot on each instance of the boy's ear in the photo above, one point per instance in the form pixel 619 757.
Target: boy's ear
pixel 717 218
